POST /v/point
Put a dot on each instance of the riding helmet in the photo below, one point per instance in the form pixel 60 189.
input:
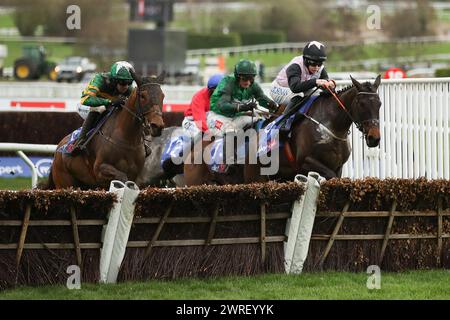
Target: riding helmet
pixel 121 70
pixel 214 80
pixel 315 51
pixel 245 67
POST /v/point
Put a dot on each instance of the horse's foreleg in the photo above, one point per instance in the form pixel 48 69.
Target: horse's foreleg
pixel 339 172
pixel 106 172
pixel 311 164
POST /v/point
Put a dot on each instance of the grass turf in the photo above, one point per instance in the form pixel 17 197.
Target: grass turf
pixel 15 183
pixel 429 284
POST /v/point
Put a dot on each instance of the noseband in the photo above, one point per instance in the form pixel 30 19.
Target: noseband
pixel 360 124
pixel 140 114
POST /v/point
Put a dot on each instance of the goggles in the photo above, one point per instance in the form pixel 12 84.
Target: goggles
pixel 247 77
pixel 125 82
pixel 313 63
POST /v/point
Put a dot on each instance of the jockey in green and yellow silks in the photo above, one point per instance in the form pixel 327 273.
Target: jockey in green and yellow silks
pixel 104 90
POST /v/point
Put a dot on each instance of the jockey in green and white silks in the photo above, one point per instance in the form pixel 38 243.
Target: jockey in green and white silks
pixel 232 100
pixel 104 90
pixel 301 75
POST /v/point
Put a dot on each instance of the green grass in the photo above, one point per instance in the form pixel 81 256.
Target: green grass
pixel 443 15
pixel 434 284
pixel 6 21
pixel 15 183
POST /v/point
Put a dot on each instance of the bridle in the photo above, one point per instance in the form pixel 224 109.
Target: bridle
pixel 140 114
pixel 358 124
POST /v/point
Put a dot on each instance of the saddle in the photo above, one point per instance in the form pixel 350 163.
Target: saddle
pixel 70 144
pixel 275 133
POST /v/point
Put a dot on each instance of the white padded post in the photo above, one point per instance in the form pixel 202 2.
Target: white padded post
pixel 292 224
pixel 110 229
pixel 123 230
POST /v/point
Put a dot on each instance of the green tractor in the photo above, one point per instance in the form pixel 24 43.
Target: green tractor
pixel 33 64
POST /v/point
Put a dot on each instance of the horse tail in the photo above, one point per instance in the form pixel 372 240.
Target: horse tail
pixel 49 184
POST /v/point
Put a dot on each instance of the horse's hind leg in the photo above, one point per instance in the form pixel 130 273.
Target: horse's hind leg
pixel 311 164
pixel 106 173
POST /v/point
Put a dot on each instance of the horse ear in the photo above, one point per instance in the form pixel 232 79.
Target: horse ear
pixel 356 84
pixel 160 78
pixel 136 78
pixel 377 82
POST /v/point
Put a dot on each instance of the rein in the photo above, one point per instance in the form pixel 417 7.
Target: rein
pixel 140 114
pixel 119 144
pixel 358 124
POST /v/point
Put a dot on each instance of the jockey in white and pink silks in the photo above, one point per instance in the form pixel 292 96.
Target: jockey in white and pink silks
pixel 301 75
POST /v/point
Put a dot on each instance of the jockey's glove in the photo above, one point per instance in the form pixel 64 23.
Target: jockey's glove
pixel 273 106
pixel 118 102
pixel 246 106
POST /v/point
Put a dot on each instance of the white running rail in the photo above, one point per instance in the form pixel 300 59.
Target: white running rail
pixel 20 148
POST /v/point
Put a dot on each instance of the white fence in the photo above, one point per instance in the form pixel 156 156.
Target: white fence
pixel 414 122
pixel 35 148
pixel 298 46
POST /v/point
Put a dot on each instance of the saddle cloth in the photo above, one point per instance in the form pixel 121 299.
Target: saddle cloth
pixel 218 163
pixel 175 148
pixel 269 136
pixel 69 145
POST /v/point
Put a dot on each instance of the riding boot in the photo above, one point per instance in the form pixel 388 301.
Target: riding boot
pixel 87 125
pixel 290 107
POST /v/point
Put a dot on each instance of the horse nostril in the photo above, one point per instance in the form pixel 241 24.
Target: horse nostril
pixel 155 130
pixel 372 141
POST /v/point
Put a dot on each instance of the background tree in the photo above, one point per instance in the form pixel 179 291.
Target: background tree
pixel 28 16
pixel 416 20
pixel 104 30
pixel 104 25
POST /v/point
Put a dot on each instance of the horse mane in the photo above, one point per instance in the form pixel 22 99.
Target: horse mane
pixel 366 85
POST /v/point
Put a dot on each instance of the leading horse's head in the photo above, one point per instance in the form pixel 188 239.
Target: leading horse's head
pixel 149 103
pixel 365 110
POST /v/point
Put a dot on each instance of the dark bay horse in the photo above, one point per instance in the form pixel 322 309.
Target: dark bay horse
pixel 117 151
pixel 318 142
